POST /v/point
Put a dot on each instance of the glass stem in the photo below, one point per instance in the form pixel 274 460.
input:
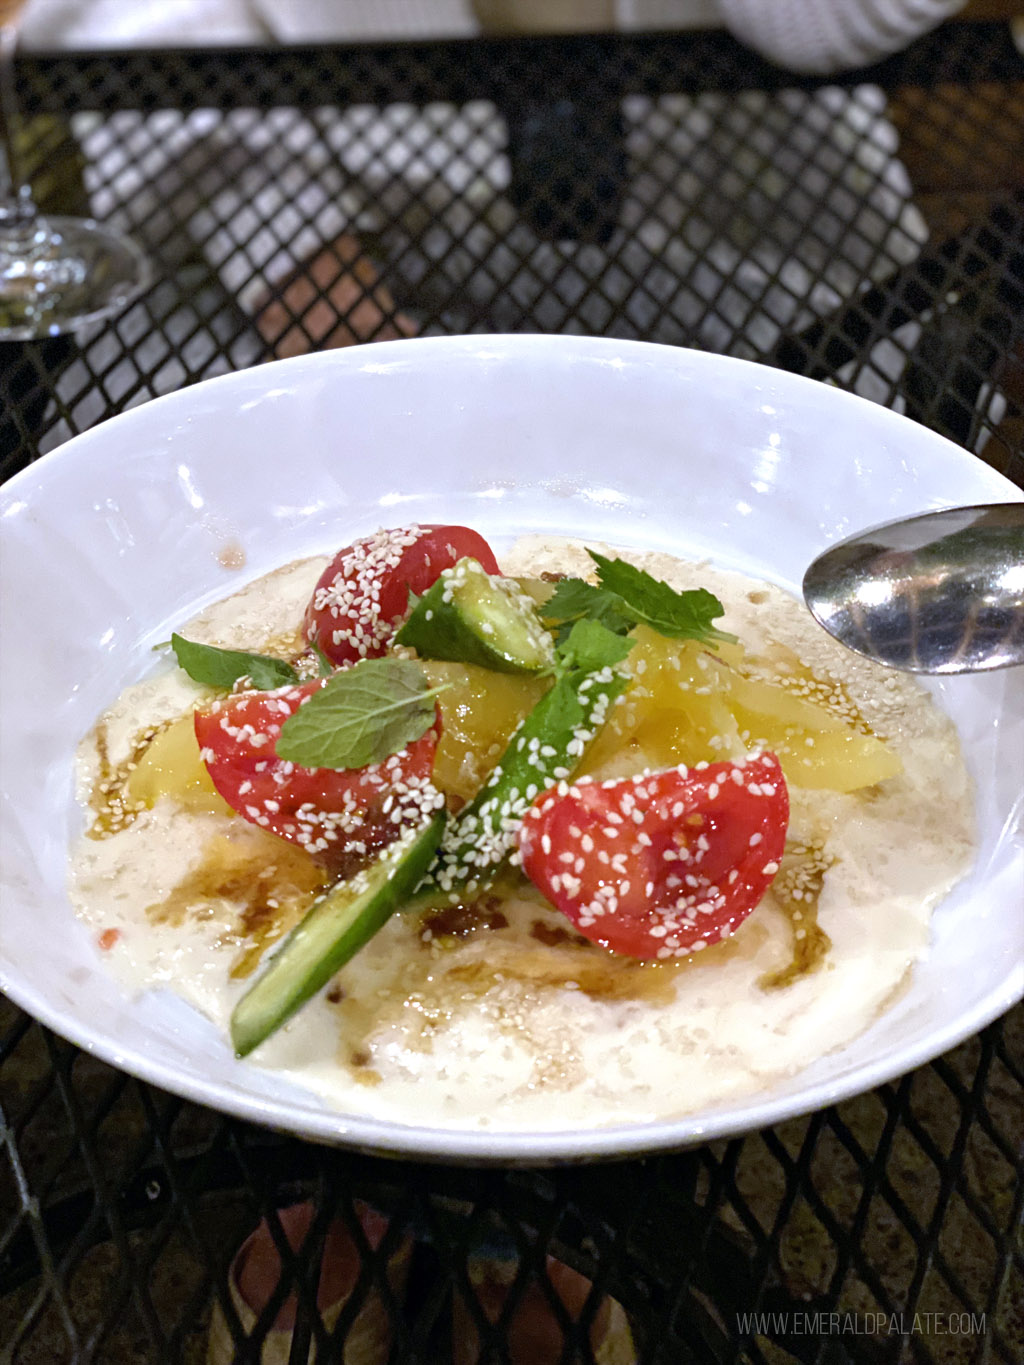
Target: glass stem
pixel 17 207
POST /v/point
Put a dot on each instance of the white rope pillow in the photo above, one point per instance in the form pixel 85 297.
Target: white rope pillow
pixel 830 35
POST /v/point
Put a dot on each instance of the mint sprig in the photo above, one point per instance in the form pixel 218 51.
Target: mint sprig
pixel 679 615
pixel 223 667
pixel 590 646
pixel 361 715
pixel 576 600
pixel 624 597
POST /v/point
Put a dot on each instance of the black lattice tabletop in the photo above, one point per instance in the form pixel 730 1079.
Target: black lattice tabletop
pixel 867 231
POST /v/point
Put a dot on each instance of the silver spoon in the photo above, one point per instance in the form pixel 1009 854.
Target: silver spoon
pixel 938 593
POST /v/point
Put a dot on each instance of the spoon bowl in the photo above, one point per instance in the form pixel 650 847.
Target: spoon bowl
pixel 938 593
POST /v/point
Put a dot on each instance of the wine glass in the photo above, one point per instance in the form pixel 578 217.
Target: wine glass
pixel 56 273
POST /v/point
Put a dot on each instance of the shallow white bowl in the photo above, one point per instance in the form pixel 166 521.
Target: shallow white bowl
pixel 116 537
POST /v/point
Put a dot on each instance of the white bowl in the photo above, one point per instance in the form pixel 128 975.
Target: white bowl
pixel 115 537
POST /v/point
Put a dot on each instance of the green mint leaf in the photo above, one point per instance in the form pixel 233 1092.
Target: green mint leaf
pixel 223 667
pixel 323 665
pixel 361 715
pixel 590 646
pixel 575 600
pixel 678 615
pixel 562 708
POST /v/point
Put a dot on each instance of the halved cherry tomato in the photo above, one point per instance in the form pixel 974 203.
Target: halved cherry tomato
pixel 333 813
pixel 363 594
pixel 661 865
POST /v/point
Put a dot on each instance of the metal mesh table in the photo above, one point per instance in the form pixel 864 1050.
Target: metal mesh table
pixel 867 231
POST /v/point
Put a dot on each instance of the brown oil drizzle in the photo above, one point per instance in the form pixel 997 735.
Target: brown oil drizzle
pixel 272 883
pixel 357 1020
pixel 797 889
pixel 584 967
pixel 112 810
pixel 478 956
pixel 554 934
pixel 231 555
pixel 508 978
pixel 290 646
pixel 562 959
pixel 459 921
pixel 362 1071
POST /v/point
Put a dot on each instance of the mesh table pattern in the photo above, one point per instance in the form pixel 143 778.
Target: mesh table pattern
pixel 867 231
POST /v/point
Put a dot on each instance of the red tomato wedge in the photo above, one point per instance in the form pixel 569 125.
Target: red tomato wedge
pixel 363 594
pixel 660 866
pixel 330 812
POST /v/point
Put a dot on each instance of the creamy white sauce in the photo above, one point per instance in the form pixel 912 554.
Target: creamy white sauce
pixel 493 1029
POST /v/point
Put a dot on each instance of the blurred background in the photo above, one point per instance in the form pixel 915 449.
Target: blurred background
pixel 112 23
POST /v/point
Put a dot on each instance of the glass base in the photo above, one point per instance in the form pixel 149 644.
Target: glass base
pixel 60 274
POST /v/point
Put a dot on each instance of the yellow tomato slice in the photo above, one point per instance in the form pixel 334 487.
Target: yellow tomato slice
pixel 171 766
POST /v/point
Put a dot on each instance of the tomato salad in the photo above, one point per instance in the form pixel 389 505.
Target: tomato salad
pixel 657 865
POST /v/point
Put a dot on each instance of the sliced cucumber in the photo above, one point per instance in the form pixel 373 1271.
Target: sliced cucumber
pixel 546 748
pixel 470 616
pixel 331 933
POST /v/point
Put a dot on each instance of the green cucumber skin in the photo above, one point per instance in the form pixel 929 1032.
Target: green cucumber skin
pixel 446 636
pixel 440 629
pixel 473 853
pixel 330 935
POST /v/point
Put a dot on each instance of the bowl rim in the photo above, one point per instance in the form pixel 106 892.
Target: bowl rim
pixel 506 1146
pixel 491 346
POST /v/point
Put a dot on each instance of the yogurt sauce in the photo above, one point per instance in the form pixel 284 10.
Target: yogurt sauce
pixel 500 1016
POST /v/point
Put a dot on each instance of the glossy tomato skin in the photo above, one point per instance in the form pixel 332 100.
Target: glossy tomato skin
pixel 661 865
pixel 363 594
pixel 334 814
